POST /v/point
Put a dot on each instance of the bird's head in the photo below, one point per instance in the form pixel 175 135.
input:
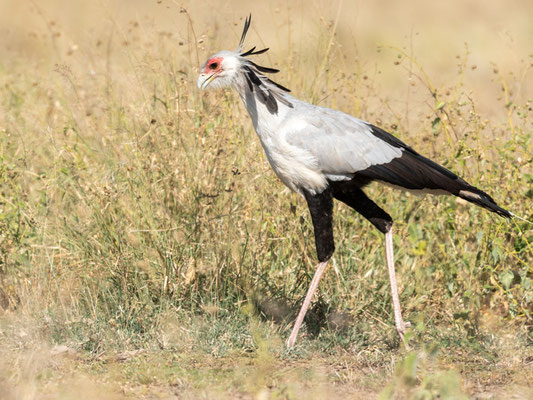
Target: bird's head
pixel 224 68
pixel 220 70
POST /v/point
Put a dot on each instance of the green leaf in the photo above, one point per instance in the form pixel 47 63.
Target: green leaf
pixel 409 369
pixel 420 249
pixel 506 278
pixel 435 125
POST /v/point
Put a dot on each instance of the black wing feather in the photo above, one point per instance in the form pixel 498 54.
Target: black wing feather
pixel 415 172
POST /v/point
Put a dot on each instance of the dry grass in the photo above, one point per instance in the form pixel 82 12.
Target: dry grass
pixel 145 245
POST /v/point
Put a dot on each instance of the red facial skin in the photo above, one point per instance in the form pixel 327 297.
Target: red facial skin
pixel 208 70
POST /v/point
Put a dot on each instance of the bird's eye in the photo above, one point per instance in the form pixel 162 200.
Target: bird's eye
pixel 213 65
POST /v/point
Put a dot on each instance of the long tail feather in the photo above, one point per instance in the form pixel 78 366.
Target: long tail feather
pixel 413 171
pixel 520 218
pixel 476 196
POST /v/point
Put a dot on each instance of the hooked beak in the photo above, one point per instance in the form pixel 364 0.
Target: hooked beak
pixel 204 80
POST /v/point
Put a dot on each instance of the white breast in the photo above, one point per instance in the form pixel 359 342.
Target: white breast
pixel 296 167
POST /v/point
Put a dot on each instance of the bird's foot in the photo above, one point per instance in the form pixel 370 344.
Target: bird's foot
pixel 401 328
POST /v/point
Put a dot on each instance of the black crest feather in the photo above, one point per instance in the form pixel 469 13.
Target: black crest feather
pixel 259 84
pixel 251 52
pixel 266 70
pixel 245 31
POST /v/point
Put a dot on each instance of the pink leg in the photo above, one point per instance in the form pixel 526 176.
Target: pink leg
pixel 389 252
pixel 314 284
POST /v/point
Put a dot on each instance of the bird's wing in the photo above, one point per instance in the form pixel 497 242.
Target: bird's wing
pixel 341 144
pixel 345 147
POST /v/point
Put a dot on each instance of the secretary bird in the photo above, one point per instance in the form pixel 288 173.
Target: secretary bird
pixel 324 154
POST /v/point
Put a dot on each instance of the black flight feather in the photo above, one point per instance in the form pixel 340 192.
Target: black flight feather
pixel 394 141
pixel 415 172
